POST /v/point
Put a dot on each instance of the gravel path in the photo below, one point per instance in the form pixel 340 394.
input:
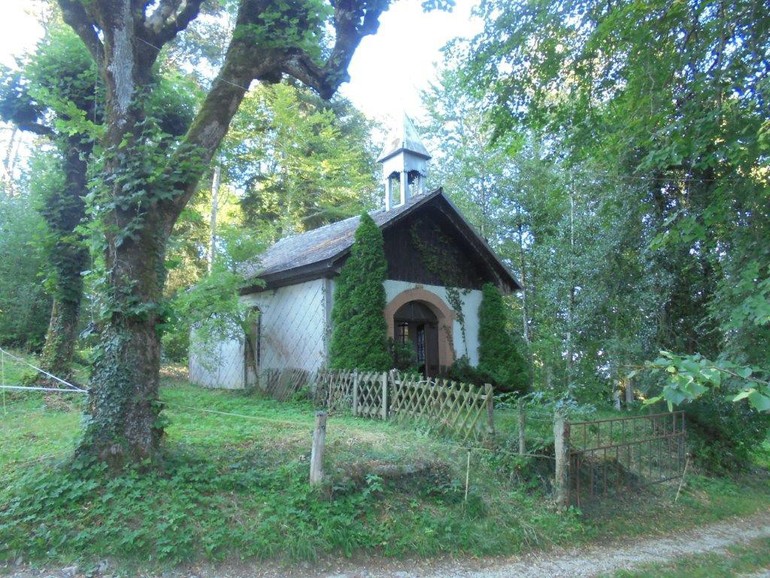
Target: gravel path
pixel 588 561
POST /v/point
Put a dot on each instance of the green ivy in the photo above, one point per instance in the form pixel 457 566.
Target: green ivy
pixel 437 260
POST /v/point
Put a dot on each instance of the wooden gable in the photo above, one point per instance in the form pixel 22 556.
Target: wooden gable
pixel 426 248
pixel 427 241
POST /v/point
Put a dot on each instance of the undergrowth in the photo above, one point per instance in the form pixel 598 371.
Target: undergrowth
pixel 232 483
pixel 236 486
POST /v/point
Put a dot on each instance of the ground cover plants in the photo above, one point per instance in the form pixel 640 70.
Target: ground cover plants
pixel 232 483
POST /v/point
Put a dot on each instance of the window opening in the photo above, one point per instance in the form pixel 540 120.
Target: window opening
pixel 402 332
pixel 420 344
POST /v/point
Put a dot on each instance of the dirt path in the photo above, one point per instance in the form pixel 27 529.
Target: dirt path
pixel 589 561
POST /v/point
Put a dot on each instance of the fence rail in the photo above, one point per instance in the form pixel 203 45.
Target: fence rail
pixel 461 408
pixel 607 457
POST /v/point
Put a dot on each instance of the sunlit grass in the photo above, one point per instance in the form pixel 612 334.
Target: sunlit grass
pixel 233 482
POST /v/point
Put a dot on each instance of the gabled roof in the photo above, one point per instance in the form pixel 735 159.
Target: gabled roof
pixel 319 253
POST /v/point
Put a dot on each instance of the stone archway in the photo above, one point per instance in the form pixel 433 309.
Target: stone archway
pixel 436 319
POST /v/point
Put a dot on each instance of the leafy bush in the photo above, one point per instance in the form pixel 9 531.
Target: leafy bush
pixel 359 329
pixel 723 434
pixel 25 308
pixel 462 370
pixel 499 357
pixel 403 355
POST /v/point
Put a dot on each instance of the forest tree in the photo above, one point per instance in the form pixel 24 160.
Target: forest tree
pixel 146 176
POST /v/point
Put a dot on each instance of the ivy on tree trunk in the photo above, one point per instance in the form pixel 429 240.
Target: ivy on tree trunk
pixel 64 212
pixel 147 178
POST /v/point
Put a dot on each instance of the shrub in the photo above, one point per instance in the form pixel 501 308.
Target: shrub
pixel 359 329
pixel 462 370
pixel 723 435
pixel 499 357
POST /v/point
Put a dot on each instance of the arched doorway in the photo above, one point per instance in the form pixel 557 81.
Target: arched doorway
pixel 438 319
pixel 414 323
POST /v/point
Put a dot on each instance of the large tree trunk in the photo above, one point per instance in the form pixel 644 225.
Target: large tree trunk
pixel 60 339
pixel 63 213
pixel 145 187
pixel 124 409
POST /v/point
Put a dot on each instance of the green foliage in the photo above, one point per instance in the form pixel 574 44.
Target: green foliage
pixel 726 430
pixel 724 436
pixel 664 108
pixel 58 88
pixel 24 304
pixel 236 487
pixel 499 357
pixel 359 330
pixel 688 377
pixel 302 162
pixel 245 479
pixel 403 356
pixel 462 371
pixel 212 308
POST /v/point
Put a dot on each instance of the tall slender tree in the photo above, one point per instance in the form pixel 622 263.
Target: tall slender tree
pixel 56 95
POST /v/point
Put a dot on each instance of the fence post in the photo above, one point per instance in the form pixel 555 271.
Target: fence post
pixel 317 451
pixel 384 379
pixel 522 428
pixel 490 409
pixel 561 449
pixel 355 393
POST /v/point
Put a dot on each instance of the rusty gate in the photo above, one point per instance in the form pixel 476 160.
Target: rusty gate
pixel 621 454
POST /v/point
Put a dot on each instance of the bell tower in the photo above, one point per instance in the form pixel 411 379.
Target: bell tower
pixel 404 164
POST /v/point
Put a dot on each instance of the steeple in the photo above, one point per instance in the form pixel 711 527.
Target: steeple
pixel 404 164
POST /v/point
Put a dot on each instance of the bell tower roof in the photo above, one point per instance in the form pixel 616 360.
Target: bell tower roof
pixel 403 139
pixel 404 161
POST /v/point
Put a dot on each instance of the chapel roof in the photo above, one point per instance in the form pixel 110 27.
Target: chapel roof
pixel 319 253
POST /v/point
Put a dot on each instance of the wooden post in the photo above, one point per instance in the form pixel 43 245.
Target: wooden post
pixel 355 393
pixel 394 398
pixel 490 409
pixel 629 393
pixel 317 451
pixel 561 447
pixel 522 428
pixel 384 379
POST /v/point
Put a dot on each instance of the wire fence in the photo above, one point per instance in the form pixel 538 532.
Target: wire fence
pixel 19 374
pixel 524 445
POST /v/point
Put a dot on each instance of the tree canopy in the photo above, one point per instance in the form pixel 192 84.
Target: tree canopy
pixel 665 106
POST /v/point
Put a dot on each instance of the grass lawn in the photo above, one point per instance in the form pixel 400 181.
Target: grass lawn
pixel 233 483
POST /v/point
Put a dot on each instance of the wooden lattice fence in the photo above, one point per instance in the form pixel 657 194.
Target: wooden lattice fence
pixel 283 384
pixel 461 408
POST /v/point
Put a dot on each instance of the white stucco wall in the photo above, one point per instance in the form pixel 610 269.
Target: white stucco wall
pixel 293 329
pixel 295 326
pixel 471 299
pixel 219 365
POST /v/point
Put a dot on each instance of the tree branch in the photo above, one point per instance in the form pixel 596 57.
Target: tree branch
pixel 247 61
pixel 353 19
pixel 84 25
pixel 169 19
pixel 36 128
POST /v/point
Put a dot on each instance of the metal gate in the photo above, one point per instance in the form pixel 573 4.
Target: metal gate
pixel 613 455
